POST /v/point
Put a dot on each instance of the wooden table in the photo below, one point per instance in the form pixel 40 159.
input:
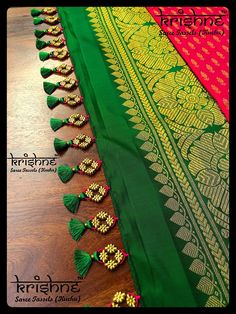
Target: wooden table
pixel 38 239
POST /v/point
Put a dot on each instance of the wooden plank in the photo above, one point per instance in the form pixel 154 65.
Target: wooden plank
pixel 38 239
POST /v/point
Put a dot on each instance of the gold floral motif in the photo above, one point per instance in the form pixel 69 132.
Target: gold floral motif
pixel 122 299
pixel 72 99
pixel 130 300
pixel 103 222
pixel 119 297
pixel 103 256
pixel 210 68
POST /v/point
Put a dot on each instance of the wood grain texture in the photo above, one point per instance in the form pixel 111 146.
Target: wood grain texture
pixel 38 239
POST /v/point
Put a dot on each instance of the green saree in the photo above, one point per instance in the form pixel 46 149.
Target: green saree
pixel 164 145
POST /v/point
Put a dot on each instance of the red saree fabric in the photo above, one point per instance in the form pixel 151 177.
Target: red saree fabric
pixel 204 48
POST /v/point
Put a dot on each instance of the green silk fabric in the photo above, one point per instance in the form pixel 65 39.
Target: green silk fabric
pixel 164 146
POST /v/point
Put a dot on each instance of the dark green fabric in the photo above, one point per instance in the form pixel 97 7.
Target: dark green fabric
pixel 165 147
pixel 155 264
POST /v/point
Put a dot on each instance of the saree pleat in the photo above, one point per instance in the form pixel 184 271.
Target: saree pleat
pixel 164 146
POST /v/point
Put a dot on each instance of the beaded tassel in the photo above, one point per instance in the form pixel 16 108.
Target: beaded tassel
pixel 87 166
pixel 71 100
pixel 111 257
pixel 95 192
pixel 81 141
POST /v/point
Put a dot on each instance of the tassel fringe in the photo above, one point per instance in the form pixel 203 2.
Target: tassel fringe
pixel 38 20
pixel 38 33
pixel 65 173
pixel 49 88
pixel 82 261
pixel 61 145
pixel 53 101
pixel 35 12
pixel 76 229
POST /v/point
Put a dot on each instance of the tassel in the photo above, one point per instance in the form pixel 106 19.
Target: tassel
pixel 38 20
pixel 87 166
pixel 35 12
pixel 38 33
pixel 72 201
pixel 102 222
pixel 82 261
pixel 57 123
pixel 61 145
pixel 62 69
pixel 49 88
pixel 40 44
pixel 77 228
pixel 43 55
pixel 53 101
pixel 46 72
pixel 65 173
pixel 76 119
pixel 56 42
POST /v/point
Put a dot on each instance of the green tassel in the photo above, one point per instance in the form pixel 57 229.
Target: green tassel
pixel 72 201
pixel 57 123
pixel 43 55
pixel 65 173
pixel 53 101
pixel 49 88
pixel 38 33
pixel 40 44
pixel 82 261
pixel 61 145
pixel 38 20
pixel 76 228
pixel 46 72
pixel 35 12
